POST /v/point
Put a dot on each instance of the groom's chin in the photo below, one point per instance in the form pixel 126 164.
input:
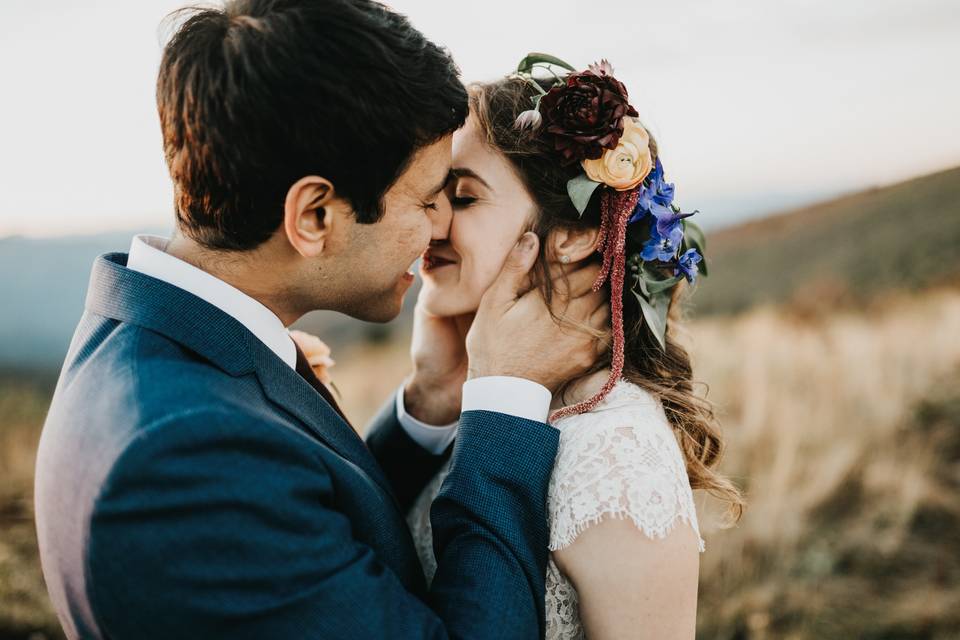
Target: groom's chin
pixel 378 315
pixel 381 309
pixel 383 306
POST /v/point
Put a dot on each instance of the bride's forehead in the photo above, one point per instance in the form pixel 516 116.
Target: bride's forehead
pixel 472 151
pixel 468 138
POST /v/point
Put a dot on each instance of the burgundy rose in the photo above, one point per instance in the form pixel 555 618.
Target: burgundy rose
pixel 585 116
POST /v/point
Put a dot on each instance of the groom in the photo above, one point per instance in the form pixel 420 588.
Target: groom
pixel 194 479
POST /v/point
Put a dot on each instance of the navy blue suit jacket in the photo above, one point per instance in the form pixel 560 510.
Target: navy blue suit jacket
pixel 192 485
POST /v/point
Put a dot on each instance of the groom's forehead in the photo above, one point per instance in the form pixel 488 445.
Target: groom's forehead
pixel 428 172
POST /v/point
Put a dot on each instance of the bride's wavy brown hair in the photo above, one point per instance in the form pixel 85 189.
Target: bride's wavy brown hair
pixel 667 374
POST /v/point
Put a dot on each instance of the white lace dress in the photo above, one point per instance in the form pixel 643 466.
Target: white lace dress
pixel 620 460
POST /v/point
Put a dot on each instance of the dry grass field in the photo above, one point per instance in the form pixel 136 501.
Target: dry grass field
pixel 843 429
pixel 829 339
pixel 845 433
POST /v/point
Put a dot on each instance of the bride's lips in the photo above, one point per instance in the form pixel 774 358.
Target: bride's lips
pixel 430 261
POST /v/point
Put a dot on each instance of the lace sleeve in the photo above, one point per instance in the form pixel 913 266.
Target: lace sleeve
pixel 621 462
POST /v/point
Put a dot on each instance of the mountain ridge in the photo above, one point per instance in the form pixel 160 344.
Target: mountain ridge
pixel 840 251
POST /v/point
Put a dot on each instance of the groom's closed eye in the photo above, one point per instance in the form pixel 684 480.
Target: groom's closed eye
pixel 429 202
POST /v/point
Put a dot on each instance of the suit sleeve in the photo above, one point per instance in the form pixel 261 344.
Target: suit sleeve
pixel 407 465
pixel 210 526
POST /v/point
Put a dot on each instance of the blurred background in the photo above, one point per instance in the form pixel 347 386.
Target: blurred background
pixel 819 140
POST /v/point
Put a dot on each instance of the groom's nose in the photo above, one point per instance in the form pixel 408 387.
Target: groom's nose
pixel 440 218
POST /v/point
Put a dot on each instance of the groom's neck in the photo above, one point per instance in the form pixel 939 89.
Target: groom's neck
pixel 242 270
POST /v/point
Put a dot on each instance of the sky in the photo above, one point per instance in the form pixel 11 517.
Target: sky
pixel 757 105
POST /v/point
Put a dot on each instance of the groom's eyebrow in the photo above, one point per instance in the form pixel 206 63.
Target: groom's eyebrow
pixel 443 184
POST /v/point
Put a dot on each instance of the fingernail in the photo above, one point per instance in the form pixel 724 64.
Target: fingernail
pixel 526 242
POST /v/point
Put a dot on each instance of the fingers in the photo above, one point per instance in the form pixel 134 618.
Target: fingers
pixel 600 321
pixel 574 284
pixel 513 277
pixel 580 308
pixel 600 318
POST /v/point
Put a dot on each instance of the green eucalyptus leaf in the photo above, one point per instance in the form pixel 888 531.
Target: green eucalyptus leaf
pixel 655 315
pixel 655 286
pixel 641 283
pixel 526 65
pixel 694 235
pixel 580 189
pixel 659 286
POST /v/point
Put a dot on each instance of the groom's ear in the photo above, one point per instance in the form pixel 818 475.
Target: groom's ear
pixel 308 215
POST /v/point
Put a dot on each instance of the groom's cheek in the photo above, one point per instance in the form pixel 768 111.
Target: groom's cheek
pixel 414 238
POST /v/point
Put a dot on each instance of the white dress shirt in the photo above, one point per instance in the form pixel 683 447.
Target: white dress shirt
pixel 148 256
pixel 513 396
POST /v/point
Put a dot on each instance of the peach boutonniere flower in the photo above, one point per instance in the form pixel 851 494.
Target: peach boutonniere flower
pixel 317 353
pixel 628 164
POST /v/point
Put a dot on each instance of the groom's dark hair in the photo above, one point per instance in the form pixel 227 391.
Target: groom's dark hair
pixel 263 92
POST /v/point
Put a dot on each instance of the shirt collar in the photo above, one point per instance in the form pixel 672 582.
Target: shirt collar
pixel 148 256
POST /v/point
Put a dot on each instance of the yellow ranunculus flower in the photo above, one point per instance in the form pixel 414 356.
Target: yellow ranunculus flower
pixel 626 166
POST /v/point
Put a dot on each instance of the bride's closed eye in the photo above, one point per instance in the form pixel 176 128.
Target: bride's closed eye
pixel 462 201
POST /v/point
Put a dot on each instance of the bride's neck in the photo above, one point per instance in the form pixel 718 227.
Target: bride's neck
pixel 580 390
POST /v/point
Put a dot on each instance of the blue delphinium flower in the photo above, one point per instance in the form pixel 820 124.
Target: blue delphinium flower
pixel 668 221
pixel 666 228
pixel 655 196
pixel 664 190
pixel 643 205
pixel 687 265
pixel 663 245
pixel 666 235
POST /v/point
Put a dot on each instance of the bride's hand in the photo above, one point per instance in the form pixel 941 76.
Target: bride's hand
pixel 433 392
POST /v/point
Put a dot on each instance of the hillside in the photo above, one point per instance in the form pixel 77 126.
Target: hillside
pixel 841 252
pixel 837 253
pixel 844 433
pixel 44 286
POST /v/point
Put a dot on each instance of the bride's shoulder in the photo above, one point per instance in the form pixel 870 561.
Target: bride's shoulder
pixel 627 405
pixel 626 429
pixel 622 460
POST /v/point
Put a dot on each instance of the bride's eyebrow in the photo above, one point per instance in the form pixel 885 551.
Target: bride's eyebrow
pixel 463 172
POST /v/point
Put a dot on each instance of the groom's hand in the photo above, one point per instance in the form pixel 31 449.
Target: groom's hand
pixel 434 391
pixel 515 335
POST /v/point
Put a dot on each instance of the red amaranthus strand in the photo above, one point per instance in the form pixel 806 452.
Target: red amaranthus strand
pixel 616 208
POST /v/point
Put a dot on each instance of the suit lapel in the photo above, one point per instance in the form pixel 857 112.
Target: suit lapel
pixel 285 387
pixel 129 296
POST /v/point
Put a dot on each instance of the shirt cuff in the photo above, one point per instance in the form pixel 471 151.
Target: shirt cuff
pixel 434 439
pixel 517 397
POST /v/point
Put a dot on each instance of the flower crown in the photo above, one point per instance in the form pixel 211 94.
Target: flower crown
pixel 586 118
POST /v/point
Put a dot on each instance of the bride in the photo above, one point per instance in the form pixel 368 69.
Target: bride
pixel 579 170
pixel 568 159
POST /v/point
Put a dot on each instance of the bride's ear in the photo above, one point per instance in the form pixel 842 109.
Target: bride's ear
pixel 567 246
pixel 310 213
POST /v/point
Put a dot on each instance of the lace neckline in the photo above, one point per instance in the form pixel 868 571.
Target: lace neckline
pixel 622 394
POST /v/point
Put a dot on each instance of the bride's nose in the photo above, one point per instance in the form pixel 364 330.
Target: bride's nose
pixel 441 217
